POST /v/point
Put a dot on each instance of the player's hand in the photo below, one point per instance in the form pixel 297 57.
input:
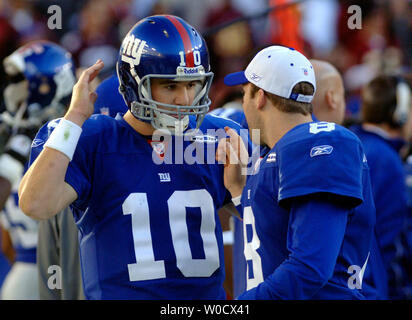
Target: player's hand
pixel 83 97
pixel 233 154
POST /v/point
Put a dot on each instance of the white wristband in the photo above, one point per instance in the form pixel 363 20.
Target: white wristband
pixel 64 138
pixel 236 200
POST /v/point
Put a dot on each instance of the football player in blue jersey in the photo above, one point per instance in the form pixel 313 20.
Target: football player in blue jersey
pixel 41 77
pixel 148 230
pixel 308 213
pixel 385 107
pixel 328 105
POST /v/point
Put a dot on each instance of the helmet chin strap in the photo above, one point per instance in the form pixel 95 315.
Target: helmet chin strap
pixel 166 122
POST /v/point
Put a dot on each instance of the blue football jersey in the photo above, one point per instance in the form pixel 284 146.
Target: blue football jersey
pixel 390 197
pixel 148 229
pixel 308 216
pixel 232 113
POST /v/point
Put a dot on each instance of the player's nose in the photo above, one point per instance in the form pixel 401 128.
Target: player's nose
pixel 182 97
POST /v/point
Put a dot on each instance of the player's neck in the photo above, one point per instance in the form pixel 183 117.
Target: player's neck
pixel 280 123
pixel 141 127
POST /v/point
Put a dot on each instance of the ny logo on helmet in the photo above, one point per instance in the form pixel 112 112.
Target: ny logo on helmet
pixel 132 50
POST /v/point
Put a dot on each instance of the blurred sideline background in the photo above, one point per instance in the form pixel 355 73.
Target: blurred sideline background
pixel 94 29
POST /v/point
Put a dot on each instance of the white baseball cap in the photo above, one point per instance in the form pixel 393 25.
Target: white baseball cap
pixel 277 69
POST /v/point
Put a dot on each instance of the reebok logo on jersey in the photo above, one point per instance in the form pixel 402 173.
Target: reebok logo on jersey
pixel 320 150
pixel 36 143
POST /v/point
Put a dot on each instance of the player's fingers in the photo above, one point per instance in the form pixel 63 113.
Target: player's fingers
pixel 90 73
pixel 234 137
pixel 98 67
pixel 238 145
pixel 221 151
pixel 232 153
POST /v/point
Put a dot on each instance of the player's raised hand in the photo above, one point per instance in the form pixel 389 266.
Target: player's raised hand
pixel 83 97
pixel 233 154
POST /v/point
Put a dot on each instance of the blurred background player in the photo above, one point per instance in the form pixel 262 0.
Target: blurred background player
pixel 329 100
pixel 109 100
pixel 231 108
pixel 329 105
pixel 41 76
pixel 386 103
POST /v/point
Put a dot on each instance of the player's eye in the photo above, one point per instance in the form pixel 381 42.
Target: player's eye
pixel 193 84
pixel 170 87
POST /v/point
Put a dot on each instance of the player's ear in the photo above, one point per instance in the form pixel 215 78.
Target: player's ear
pixel 331 101
pixel 260 99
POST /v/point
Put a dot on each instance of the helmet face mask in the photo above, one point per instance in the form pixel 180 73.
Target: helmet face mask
pixel 171 117
pixel 163 47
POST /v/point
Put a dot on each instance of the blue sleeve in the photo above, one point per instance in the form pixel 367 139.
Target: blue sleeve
pixel 77 175
pixel 220 123
pixel 325 165
pixel 81 170
pixel 315 234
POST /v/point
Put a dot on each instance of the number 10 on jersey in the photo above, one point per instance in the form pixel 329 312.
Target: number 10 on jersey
pixel 146 267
